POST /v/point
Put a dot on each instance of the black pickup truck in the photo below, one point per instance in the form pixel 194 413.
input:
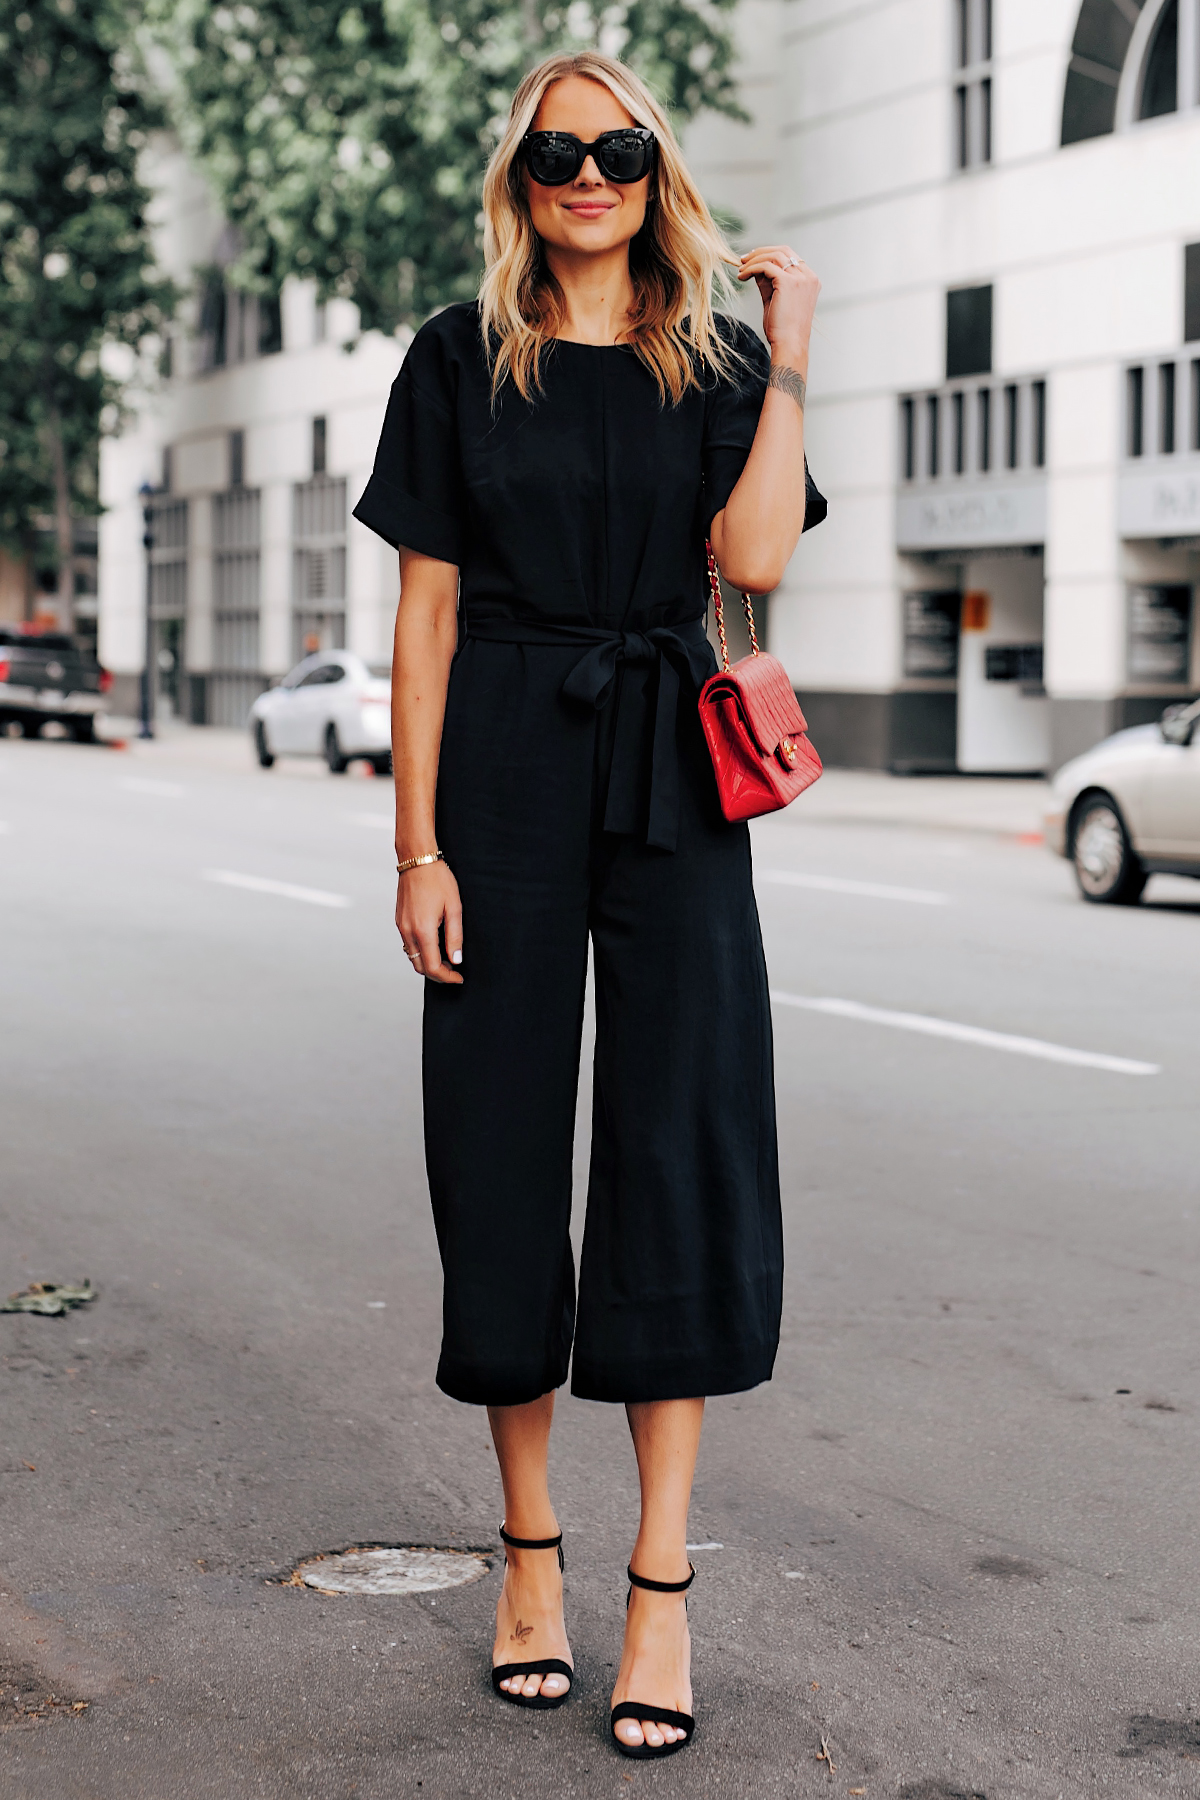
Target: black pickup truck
pixel 45 675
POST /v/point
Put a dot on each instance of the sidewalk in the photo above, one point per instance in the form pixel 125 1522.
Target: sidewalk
pixel 1007 807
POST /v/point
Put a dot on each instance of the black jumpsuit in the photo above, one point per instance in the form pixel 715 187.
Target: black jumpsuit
pixel 575 797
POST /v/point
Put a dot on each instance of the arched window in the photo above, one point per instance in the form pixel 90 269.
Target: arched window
pixel 1160 77
pixel 1130 60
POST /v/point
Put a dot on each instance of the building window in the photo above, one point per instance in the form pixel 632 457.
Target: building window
pixel 237 458
pixel 270 325
pixel 214 320
pixel 973 83
pixel 1039 424
pixel 1160 630
pixel 237 532
pixel 933 424
pixel 959 401
pixel 318 446
pixel 1012 426
pixel 1166 409
pixel 1160 77
pixel 908 425
pixel 968 332
pixel 1194 435
pixel 1106 31
pixel 1191 293
pixel 1135 408
pixel 318 565
pixel 985 430
pixel 235 327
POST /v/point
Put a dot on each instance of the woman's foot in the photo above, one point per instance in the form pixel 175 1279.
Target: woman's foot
pixel 529 1622
pixel 656 1666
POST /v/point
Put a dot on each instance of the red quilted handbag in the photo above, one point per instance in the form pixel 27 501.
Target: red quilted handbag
pixel 753 725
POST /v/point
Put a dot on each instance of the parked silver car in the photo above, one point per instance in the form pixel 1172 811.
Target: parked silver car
pixel 332 705
pixel 1130 808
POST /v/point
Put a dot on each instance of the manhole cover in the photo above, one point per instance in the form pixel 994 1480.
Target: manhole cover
pixel 413 1571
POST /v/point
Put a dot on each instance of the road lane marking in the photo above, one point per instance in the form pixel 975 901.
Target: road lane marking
pixel 164 790
pixel 381 821
pixel 866 890
pixel 967 1034
pixel 285 890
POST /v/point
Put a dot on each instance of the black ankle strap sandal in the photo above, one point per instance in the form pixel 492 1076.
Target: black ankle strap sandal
pixel 549 1665
pixel 635 1709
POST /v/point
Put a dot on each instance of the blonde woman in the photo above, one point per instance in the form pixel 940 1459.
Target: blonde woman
pixel 551 464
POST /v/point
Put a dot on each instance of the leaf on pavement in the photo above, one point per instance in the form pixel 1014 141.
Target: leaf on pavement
pixel 51 1298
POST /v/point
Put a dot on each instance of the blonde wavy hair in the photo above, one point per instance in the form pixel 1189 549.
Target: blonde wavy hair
pixel 676 260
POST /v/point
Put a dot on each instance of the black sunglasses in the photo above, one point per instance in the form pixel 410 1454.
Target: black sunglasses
pixel 555 157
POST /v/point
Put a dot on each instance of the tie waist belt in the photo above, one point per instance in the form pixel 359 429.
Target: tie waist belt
pixel 674 651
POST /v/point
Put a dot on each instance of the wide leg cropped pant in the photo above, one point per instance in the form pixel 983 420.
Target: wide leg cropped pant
pixel 681 1273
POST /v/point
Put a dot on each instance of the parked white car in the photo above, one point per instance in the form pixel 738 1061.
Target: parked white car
pixel 1130 808
pixel 332 705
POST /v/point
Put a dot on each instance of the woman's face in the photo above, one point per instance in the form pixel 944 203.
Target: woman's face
pixel 589 215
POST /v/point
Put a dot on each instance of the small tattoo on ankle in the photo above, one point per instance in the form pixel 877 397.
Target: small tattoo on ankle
pixel 522 1632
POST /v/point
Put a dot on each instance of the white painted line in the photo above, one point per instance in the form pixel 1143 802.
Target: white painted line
pixel 377 1303
pixel 380 821
pixel 704 1546
pixel 163 790
pixel 286 890
pixel 866 890
pixel 967 1034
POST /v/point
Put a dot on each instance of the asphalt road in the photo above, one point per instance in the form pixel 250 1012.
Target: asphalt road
pixel 958 1530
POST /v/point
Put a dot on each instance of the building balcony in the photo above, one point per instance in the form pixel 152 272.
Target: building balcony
pixel 973 466
pixel 1159 484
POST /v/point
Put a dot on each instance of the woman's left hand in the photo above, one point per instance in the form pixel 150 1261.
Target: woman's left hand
pixel 789 292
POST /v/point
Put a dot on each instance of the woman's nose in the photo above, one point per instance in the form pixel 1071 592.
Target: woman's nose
pixel 589 175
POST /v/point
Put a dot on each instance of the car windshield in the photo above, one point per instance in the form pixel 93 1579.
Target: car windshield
pixel 35 640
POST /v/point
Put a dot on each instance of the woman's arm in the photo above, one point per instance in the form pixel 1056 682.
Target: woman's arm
pixel 759 527
pixel 426 628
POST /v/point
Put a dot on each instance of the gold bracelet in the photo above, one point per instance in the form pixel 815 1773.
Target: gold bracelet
pixel 418 862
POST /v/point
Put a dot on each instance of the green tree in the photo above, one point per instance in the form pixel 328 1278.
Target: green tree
pixel 346 142
pixel 76 281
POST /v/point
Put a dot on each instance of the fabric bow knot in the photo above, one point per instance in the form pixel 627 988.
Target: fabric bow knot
pixel 675 650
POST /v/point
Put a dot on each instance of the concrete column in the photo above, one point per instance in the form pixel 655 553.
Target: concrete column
pixel 199 647
pixel 1085 601
pixel 124 464
pixel 372 582
pixel 275 579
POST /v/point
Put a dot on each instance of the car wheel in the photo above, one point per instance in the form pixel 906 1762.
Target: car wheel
pixel 1106 868
pixel 338 763
pixel 84 730
pixel 266 756
pixel 383 764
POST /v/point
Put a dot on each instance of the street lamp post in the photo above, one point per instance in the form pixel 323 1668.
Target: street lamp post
pixel 147 725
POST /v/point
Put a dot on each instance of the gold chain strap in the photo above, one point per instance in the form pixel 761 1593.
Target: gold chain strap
pixel 714 582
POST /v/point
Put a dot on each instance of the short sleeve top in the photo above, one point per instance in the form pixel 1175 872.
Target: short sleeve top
pixel 589 503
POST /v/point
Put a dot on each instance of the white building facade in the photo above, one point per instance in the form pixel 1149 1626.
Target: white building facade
pixel 1003 202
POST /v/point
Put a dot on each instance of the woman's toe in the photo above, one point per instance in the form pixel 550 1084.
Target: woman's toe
pixel 630 1732
pixel 532 1684
pixel 553 1685
pixel 652 1734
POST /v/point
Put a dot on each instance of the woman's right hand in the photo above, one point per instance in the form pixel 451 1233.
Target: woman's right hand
pixel 426 901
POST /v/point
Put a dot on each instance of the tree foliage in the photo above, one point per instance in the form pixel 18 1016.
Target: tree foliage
pixel 75 274
pixel 347 142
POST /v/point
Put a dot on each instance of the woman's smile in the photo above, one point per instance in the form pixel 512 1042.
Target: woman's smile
pixel 590 208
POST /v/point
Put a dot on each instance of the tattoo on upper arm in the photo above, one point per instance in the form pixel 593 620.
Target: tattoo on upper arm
pixel 788 382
